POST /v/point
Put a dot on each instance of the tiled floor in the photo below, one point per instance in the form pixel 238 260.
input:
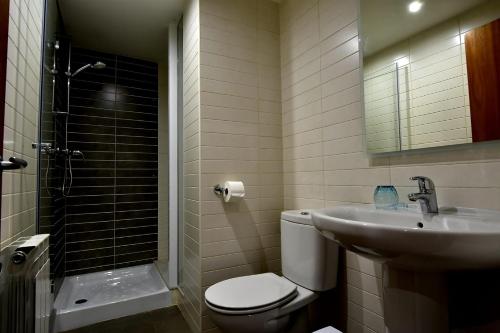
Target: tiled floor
pixel 168 320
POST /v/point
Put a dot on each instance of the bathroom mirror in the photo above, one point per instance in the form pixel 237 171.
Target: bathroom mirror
pixel 431 73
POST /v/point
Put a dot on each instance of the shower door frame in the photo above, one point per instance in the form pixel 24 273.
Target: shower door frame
pixel 4 41
pixel 174 199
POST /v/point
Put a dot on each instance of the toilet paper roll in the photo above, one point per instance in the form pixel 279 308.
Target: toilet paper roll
pixel 233 190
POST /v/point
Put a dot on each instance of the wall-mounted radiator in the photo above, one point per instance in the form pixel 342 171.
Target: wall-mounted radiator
pixel 25 297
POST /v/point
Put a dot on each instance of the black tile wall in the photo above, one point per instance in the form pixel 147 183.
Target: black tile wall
pixel 112 210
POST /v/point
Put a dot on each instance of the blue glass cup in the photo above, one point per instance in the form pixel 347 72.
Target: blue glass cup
pixel 386 197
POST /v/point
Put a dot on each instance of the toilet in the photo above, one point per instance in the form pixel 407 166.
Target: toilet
pixel 269 303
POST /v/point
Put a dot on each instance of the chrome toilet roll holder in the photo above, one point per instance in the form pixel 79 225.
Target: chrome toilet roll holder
pixel 220 190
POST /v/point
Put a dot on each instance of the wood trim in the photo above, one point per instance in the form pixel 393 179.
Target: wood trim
pixel 482 47
pixel 4 38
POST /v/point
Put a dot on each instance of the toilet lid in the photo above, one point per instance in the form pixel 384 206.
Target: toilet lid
pixel 246 292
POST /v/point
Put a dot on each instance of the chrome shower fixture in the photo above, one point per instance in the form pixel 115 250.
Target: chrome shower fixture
pixel 97 65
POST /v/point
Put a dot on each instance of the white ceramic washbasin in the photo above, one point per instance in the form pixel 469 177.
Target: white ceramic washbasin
pixel 455 239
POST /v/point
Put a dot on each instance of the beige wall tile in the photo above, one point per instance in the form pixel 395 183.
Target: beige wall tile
pixel 21 119
pixel 243 238
pixel 232 132
pixel 190 281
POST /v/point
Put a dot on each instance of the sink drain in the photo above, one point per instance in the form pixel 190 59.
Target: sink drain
pixel 80 301
pixel 420 225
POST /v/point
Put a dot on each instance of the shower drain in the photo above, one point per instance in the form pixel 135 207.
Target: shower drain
pixel 80 301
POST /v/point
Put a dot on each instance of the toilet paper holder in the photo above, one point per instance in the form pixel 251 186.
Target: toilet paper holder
pixel 219 189
pixel 230 191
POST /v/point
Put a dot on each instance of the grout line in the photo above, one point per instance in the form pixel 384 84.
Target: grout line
pixel 363 290
pixel 366 309
pixel 364 326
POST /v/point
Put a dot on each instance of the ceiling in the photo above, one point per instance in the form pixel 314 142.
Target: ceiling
pixel 134 28
pixel 386 22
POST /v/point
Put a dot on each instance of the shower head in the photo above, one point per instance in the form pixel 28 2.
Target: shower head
pixel 97 65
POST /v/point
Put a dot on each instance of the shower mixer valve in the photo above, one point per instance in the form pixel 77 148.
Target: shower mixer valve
pixel 45 148
pixel 75 153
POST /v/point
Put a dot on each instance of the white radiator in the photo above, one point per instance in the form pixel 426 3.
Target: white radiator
pixel 25 297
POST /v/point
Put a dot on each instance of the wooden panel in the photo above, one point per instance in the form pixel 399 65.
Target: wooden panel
pixel 482 46
pixel 4 37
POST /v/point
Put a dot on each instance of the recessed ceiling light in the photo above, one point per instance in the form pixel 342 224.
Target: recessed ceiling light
pixel 415 6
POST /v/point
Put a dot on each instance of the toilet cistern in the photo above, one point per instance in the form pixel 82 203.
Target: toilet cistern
pixel 270 303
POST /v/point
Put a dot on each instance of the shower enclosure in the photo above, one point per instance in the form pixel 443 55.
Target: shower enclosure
pixel 99 183
pixel 100 161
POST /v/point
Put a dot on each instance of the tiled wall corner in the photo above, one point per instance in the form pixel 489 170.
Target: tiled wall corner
pixel 21 118
pixel 324 159
pixel 190 282
pixel 325 163
pixel 240 139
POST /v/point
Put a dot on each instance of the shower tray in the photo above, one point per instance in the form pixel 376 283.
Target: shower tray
pixel 91 298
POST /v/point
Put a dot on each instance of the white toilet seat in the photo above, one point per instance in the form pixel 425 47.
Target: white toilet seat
pixel 250 294
pixel 251 310
pixel 270 317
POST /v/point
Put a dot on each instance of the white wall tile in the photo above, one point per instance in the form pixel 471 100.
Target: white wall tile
pixel 21 119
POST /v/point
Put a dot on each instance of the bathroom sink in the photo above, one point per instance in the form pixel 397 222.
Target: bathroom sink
pixel 455 239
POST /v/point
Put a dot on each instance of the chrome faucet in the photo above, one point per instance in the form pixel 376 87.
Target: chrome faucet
pixel 427 195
